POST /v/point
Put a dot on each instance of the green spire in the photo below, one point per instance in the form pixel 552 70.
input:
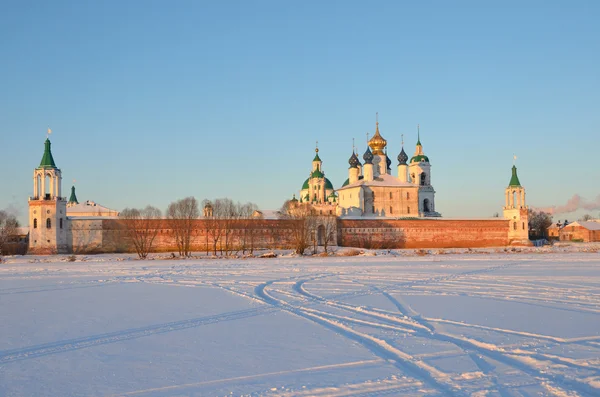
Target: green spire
pixel 514 180
pixel 47 160
pixel 418 136
pixel 73 198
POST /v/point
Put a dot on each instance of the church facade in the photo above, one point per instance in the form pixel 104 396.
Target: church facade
pixel 372 191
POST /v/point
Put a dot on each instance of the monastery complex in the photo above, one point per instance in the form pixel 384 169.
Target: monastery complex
pixel 372 209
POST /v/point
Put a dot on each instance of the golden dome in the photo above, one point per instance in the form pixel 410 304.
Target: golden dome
pixel 377 143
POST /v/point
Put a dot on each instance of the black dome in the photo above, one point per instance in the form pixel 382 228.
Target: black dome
pixel 402 158
pixel 368 156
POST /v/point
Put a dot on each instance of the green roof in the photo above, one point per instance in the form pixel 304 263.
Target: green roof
pixel 346 182
pixel 305 185
pixel 47 159
pixel 317 174
pixel 73 198
pixel 328 184
pixel 514 180
pixel 317 158
pixel 419 158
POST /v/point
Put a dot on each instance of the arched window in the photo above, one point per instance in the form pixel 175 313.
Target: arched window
pixel 408 210
pixel 426 205
pixel 391 195
pixel 48 223
pixel 515 225
pixel 407 195
pixel 35 223
pixel 523 225
pixel 423 179
pixel 61 223
pixel 391 209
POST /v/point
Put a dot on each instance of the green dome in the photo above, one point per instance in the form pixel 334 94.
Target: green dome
pixel 419 158
pixel 346 183
pixel 305 186
pixel 328 184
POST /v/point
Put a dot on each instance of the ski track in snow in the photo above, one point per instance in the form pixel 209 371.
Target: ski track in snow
pixel 329 295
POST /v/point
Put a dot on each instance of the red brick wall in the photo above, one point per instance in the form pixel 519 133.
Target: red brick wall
pixel 366 233
pixel 423 233
pixel 255 233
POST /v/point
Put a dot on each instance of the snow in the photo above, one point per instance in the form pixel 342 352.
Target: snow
pixel 471 323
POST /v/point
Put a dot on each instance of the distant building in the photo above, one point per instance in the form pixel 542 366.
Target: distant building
pixel 584 231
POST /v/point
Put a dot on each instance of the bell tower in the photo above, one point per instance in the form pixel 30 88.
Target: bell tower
pixel 516 211
pixel 47 208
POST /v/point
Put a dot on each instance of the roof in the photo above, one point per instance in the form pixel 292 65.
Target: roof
pixel 90 208
pixel 47 159
pixel 381 180
pixel 589 225
pixel 267 214
pixel 419 158
pixel 73 198
pixel 514 180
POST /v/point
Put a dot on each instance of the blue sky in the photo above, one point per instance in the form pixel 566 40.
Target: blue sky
pixel 151 101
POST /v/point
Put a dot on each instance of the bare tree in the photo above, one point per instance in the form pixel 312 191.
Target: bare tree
pixel 248 225
pixel 8 229
pixel 181 217
pixel 539 222
pixel 587 217
pixel 141 227
pixel 326 230
pixel 303 225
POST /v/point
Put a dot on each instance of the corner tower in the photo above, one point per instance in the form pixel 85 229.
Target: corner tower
pixel 516 211
pixel 419 171
pixel 47 208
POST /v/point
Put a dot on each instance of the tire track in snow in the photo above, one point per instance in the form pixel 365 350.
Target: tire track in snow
pixel 8 356
pixel 405 362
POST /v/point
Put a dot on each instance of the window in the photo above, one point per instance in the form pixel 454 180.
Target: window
pixel 423 179
pixel 61 223
pixel 523 225
pixel 373 209
pixel 515 225
pixel 408 210
pixel 35 223
pixel 391 195
pixel 48 224
pixel 391 211
pixel 407 195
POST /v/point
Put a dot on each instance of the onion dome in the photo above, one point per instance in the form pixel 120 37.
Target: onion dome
pixel 294 199
pixel 346 182
pixel 377 143
pixel 368 156
pixel 354 161
pixel 388 161
pixel 402 157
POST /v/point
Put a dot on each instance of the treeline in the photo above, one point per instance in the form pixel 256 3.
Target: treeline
pixel 227 227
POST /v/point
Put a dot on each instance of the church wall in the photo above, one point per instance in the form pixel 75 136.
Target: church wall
pixel 422 233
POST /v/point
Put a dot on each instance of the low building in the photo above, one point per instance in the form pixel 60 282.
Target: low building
pixel 582 231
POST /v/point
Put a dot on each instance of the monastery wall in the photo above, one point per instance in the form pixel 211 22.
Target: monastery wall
pixel 423 233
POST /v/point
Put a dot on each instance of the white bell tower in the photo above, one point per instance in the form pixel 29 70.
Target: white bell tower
pixel 516 211
pixel 47 208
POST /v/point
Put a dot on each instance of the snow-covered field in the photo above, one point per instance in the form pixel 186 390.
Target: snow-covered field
pixel 497 324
